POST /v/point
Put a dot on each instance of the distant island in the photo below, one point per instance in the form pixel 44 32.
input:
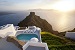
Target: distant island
pixel 5 13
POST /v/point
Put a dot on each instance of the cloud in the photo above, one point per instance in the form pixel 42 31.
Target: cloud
pixel 26 4
pixel 16 2
pixel 5 3
pixel 50 1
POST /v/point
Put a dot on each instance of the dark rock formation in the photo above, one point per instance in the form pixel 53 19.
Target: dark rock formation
pixel 34 20
pixel 14 40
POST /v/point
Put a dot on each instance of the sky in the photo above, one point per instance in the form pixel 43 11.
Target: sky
pixel 36 4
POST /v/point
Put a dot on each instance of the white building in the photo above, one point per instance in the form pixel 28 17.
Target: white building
pixel 7 30
pixel 33 44
pixel 70 35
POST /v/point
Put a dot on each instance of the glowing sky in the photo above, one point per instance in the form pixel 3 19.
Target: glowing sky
pixel 37 4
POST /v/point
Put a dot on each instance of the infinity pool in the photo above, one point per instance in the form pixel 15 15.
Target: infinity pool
pixel 26 36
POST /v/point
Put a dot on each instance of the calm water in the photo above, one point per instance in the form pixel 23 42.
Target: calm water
pixel 14 18
pixel 26 36
pixel 59 21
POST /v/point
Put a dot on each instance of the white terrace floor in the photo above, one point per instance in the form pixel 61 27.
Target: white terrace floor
pixel 4 45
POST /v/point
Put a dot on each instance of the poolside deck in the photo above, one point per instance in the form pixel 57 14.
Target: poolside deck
pixel 36 33
pixel 4 45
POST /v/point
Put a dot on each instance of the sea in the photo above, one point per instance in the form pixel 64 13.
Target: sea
pixel 59 21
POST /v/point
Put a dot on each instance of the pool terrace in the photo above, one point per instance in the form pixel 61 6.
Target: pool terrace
pixel 29 33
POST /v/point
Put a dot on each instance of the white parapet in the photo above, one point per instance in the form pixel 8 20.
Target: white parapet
pixel 70 35
pixel 8 30
pixel 36 44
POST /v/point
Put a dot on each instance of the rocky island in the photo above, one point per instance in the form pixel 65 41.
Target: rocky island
pixel 34 20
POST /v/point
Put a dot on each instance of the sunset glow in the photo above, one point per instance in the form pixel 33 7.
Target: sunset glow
pixel 61 5
pixel 64 5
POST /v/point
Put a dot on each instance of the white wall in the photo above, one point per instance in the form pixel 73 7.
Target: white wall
pixel 70 35
pixel 35 44
pixel 8 31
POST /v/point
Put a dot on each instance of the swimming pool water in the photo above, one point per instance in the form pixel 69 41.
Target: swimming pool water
pixel 26 36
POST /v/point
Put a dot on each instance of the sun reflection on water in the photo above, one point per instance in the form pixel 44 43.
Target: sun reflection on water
pixel 62 23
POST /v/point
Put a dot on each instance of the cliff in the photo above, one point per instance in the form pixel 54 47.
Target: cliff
pixel 34 20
